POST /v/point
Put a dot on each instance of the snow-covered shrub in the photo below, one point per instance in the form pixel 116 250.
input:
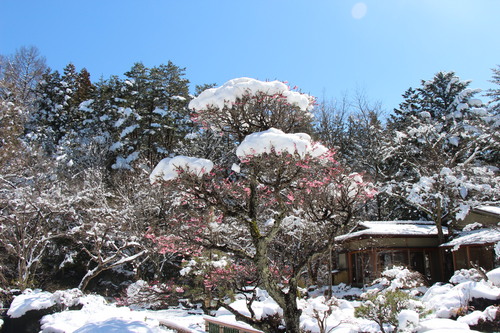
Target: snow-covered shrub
pixel 38 300
pixel 464 275
pixel 408 320
pixel 153 295
pixel 320 309
pixel 400 277
pixel 487 320
pixel 385 307
pixel 470 292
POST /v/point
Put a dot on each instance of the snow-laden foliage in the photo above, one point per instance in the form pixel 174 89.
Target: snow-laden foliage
pixel 397 278
pixel 243 106
pixel 169 168
pixel 278 142
pixel 228 94
pixel 443 149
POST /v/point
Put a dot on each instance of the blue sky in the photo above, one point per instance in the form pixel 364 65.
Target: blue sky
pixel 325 47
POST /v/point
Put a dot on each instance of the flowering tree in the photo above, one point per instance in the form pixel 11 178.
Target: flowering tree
pixel 269 214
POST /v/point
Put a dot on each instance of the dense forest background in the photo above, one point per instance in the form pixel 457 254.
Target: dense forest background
pixel 77 208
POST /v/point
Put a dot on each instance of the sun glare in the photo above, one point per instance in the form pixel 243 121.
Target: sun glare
pixel 359 10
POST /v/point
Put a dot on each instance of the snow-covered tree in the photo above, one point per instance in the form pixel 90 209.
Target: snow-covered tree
pixel 243 106
pixel 19 75
pixel 33 212
pixel 353 127
pixel 495 93
pixel 270 214
pixel 443 150
pixel 153 117
pixel 57 113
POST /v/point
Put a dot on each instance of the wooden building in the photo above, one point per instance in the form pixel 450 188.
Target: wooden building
pixel 373 246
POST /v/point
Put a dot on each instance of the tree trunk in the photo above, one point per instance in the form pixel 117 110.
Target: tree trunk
pixel 439 220
pixel 291 313
pixel 287 301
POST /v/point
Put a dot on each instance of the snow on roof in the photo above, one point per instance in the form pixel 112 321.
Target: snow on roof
pixel 392 228
pixel 479 236
pixel 489 209
pixel 227 94
pixel 276 140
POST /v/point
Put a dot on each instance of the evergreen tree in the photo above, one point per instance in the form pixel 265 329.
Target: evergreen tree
pixel 48 121
pixel 57 112
pixel 441 148
pixel 495 93
pixel 154 116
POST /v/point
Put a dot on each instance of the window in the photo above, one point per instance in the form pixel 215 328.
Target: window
pixel 363 270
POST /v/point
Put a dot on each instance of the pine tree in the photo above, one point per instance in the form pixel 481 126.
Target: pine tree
pixel 154 118
pixel 441 148
pixel 495 93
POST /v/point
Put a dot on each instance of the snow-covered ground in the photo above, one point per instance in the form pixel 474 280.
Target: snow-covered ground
pixel 441 301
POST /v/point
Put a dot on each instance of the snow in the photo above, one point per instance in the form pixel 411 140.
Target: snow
pixel 124 163
pixel 97 315
pixel 473 318
pixel 494 276
pixel 159 111
pixel 31 300
pixel 475 102
pixel 117 325
pixel 275 140
pixel 454 140
pixel 236 168
pixel 128 130
pixel 85 106
pixel 442 325
pixel 402 228
pixel 115 146
pixel 408 320
pixel 479 236
pixel 264 306
pixel 448 300
pixel 228 93
pixel 490 209
pixel 168 168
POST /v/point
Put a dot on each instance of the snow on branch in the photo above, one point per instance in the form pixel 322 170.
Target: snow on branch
pixel 275 140
pixel 227 94
pixel 169 168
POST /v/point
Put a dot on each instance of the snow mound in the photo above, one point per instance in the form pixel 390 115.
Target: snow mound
pixel 465 275
pixel 98 316
pixel 275 140
pixel 39 300
pixel 116 325
pixel 168 168
pixel 442 325
pixel 408 320
pixel 227 94
pixel 473 318
pixel 448 301
pixel 494 276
